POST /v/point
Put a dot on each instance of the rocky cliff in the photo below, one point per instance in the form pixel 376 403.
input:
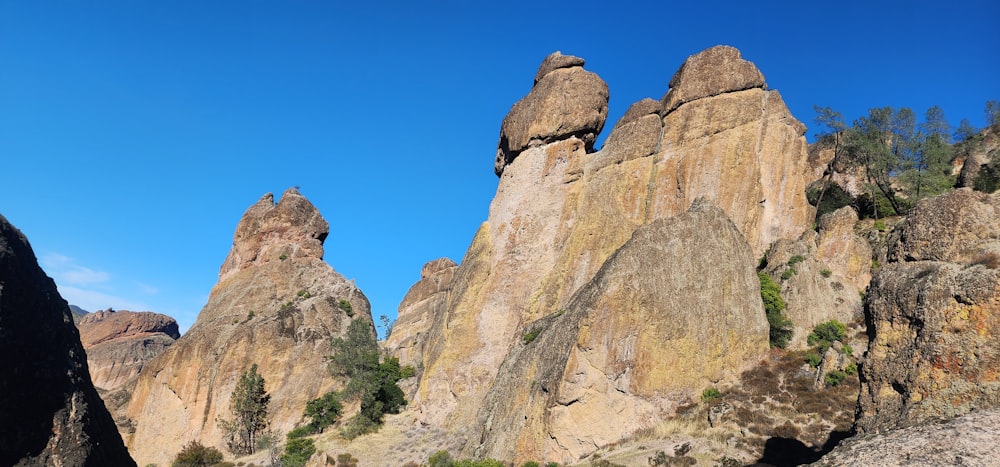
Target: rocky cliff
pixel 50 413
pixel 561 211
pixel 119 343
pixel 277 304
pixel 934 315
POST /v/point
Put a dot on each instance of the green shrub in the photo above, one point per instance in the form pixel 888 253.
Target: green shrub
pixel 194 454
pixel 825 272
pixel 813 359
pixel 346 307
pixel 283 257
pixel 304 293
pixel 407 371
pixel 301 432
pixel 852 369
pixel 780 327
pixel 710 394
pixel 848 350
pixel 531 464
pixel 440 459
pixel 796 260
pixel 834 378
pixel 788 273
pixel 297 452
pixel 530 336
pixel 825 334
pixel 323 411
pixel 880 225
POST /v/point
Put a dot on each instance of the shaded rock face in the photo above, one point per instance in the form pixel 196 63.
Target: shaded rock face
pixel 565 100
pixel 119 343
pixel 934 316
pixel 967 440
pixel 51 413
pixel 560 212
pixel 667 315
pixel 278 313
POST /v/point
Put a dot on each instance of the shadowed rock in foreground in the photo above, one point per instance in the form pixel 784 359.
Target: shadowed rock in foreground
pixel 50 413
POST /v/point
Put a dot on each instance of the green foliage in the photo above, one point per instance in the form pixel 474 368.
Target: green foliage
pixel 283 257
pixel 851 369
pixel 407 371
pixel 297 452
pixel 194 454
pixel 796 260
pixel 248 406
pixel 780 327
pixel 440 459
pixel 880 225
pixel 346 307
pixel 825 272
pixel 988 178
pixel 530 335
pixel 323 411
pixel 710 394
pixel 788 273
pixel 303 293
pixel 834 198
pixel 301 432
pixel 834 378
pixel 387 325
pixel 531 464
pixel 825 334
pixel 373 383
pixel 813 359
pixel 848 350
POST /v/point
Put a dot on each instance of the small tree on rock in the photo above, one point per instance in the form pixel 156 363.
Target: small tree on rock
pixel 249 408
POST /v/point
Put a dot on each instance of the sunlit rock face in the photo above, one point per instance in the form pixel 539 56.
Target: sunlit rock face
pixel 50 413
pixel 119 343
pixel 277 305
pixel 562 211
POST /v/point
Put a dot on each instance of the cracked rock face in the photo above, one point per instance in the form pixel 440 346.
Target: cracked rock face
pixel 559 214
pixel 50 413
pixel 934 324
pixel 277 305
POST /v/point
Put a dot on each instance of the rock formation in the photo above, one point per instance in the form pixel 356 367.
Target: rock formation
pixel 966 440
pixel 50 413
pixel 119 343
pixel 561 211
pixel 934 315
pixel 277 305
pixel 422 304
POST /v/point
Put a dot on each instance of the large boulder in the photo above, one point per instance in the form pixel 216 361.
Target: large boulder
pixel 50 413
pixel 933 316
pixel 712 72
pixel 120 343
pixel 277 305
pixel 565 101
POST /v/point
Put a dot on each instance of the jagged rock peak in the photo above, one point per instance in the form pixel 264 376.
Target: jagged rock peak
pixel 555 61
pixel 435 266
pixel 292 228
pixel 566 101
pixel 711 72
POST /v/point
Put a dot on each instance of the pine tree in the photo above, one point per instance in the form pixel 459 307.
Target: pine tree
pixel 249 408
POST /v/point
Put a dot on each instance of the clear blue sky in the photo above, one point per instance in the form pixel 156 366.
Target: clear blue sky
pixel 133 134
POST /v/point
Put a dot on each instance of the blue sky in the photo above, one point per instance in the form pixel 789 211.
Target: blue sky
pixel 133 134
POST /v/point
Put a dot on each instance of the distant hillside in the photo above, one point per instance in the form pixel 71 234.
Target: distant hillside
pixel 77 313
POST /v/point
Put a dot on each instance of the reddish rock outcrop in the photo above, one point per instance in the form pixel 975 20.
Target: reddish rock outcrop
pixel 50 413
pixel 119 343
pixel 934 316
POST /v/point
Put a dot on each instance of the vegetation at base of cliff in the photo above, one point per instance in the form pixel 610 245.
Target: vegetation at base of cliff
pixel 825 334
pixel 444 459
pixel 780 326
pixel 297 452
pixel 194 454
pixel 248 406
pixel 371 382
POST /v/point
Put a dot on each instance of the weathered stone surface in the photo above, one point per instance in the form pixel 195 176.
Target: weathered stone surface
pixel 422 304
pixel 277 313
pixel 292 229
pixel 50 413
pixel 844 252
pixel 565 102
pixel 974 156
pixel 718 70
pixel 934 326
pixel 119 343
pixel 647 333
pixel 560 213
pixel 967 440
pixel 812 295
pixel 960 226
pixel 555 61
